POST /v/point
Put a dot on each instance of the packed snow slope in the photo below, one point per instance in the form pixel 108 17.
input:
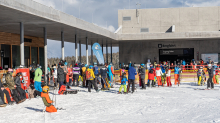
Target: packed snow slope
pixel 165 104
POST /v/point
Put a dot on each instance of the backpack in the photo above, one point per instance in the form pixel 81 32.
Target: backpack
pixel 96 70
pixel 88 75
pixel 151 71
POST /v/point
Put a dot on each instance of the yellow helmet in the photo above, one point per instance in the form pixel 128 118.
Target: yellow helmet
pixel 45 89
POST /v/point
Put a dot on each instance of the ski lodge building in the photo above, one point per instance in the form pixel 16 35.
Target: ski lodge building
pixel 142 34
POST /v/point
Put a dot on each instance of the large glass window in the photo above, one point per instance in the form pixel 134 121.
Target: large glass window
pixel 6 59
pixel 27 56
pixel 41 56
pixel 34 56
pixel 16 56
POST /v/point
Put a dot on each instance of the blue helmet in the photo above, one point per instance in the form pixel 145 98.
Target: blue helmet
pixel 142 65
pixel 86 65
pixel 95 63
pixel 90 66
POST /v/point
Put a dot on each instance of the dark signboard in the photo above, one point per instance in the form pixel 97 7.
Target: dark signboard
pixel 171 52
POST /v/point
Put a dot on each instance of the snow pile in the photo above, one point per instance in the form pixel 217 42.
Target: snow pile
pixel 172 105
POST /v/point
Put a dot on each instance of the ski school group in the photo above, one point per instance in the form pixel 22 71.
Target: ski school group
pixel 67 77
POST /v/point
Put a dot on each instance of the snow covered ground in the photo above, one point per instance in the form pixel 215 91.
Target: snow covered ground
pixel 172 105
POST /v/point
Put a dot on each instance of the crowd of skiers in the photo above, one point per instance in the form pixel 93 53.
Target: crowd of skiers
pixel 90 75
pixel 65 76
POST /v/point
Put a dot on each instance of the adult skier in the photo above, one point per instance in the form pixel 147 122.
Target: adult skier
pixel 163 76
pixel 168 75
pixel 18 87
pixel 103 72
pixel 110 74
pixel 60 75
pixel 183 64
pixel 142 72
pixel 76 73
pixel 151 76
pixel 90 77
pixel 37 78
pixel 11 85
pixel 131 76
pixel 158 76
pixel 210 83
pixel 96 72
pixel 176 74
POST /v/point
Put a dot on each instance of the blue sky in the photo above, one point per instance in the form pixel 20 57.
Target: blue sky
pixel 104 13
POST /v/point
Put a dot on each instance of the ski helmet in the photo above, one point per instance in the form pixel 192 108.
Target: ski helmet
pixel 86 65
pixel 45 89
pixel 95 63
pixel 90 66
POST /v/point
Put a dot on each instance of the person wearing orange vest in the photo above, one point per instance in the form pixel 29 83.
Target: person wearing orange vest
pixel 47 101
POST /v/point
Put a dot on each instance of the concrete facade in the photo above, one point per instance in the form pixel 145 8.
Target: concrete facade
pixel 141 51
pixel 190 19
pixel 195 27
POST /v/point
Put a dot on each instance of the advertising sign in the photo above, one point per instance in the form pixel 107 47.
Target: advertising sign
pixel 26 75
pixel 212 56
pixel 97 50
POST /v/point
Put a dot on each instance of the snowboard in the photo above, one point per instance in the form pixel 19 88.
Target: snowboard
pixel 71 91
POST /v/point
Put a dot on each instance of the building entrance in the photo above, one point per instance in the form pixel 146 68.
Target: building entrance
pixel 176 54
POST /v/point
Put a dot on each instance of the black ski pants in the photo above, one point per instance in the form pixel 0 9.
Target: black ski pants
pixel 103 82
pixel 15 95
pixel 143 83
pixel 130 81
pixel 21 93
pixel 7 95
pixel 75 80
pixel 90 83
pixel 210 82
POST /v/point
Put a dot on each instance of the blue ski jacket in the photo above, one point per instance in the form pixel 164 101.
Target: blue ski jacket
pixel 123 81
pixel 176 70
pixel 131 73
pixel 184 62
pixel 163 69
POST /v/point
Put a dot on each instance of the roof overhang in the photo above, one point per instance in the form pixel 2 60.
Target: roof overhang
pixel 36 16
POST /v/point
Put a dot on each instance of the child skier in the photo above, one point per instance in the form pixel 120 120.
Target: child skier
pixel 123 83
pixel 47 101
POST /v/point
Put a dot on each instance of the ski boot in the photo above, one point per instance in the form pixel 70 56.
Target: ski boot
pixel 97 91
pixel 119 93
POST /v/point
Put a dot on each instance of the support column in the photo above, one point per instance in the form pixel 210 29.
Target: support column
pixel 45 55
pixel 76 49
pixel 111 51
pixel 102 46
pixel 22 43
pixel 62 45
pixel 87 52
pixel 106 52
pixel 80 52
pixel 91 54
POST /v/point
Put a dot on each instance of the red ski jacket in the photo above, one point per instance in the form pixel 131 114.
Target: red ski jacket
pixel 152 75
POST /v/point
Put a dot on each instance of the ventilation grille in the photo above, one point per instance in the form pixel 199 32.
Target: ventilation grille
pixel 144 29
pixel 126 18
